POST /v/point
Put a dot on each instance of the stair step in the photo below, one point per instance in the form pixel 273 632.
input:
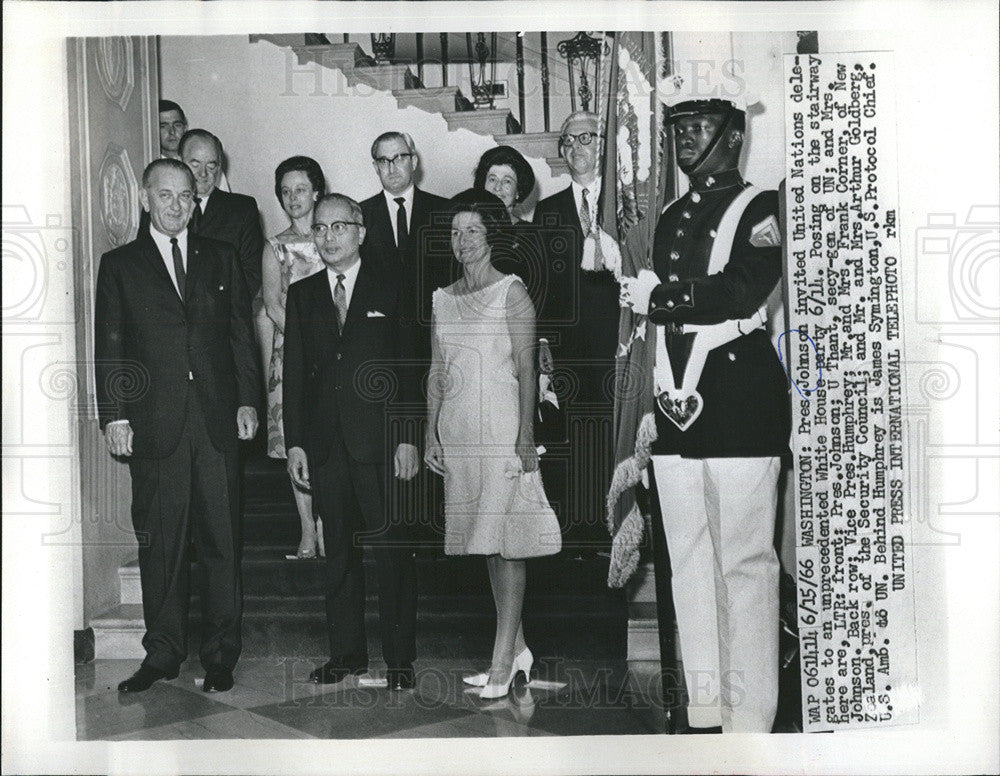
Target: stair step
pixel 532 144
pixel 345 56
pixel 440 99
pixel 384 77
pixel 499 121
pixel 299 629
pixel 265 571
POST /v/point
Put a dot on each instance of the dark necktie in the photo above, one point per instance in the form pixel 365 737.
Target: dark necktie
pixel 196 215
pixel 340 301
pixel 175 249
pixel 401 233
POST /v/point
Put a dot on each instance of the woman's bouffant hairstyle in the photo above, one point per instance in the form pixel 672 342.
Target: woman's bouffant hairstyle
pixel 513 159
pixel 300 164
pixel 488 207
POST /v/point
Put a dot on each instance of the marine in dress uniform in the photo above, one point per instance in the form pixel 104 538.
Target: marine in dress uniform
pixel 723 415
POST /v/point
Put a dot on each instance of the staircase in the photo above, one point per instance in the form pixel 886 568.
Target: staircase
pixel 448 101
pixel 568 610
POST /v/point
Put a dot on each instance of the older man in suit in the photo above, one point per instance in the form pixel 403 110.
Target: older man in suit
pixel 581 308
pixel 347 335
pixel 219 214
pixel 173 327
pixel 232 218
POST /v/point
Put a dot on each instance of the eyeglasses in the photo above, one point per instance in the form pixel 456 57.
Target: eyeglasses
pixel 584 138
pixel 337 227
pixel 384 162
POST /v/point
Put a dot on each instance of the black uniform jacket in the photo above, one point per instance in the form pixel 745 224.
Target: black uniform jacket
pixel 744 388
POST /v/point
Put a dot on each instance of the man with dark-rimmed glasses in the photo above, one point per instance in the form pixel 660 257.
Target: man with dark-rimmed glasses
pixel 346 330
pixel 579 316
pixel 401 231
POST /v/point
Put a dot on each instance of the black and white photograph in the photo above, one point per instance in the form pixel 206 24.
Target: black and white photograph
pixel 437 388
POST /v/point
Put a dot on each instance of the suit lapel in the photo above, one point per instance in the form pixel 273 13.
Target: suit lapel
pixel 383 224
pixel 323 306
pixel 571 209
pixel 363 288
pixel 211 211
pixel 151 254
pixel 195 267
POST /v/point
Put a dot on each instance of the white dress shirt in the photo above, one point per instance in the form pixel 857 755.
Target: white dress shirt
pixel 390 200
pixel 593 193
pixel 350 278
pixel 167 252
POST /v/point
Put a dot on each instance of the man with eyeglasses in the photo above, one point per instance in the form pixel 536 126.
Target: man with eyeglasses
pixel 347 336
pixel 580 316
pixel 404 229
pixel 173 125
pixel 399 221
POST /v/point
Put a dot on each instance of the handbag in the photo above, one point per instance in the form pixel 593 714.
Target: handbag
pixel 531 529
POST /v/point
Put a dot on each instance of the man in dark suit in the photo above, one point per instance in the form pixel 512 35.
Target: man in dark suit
pixel 404 222
pixel 405 228
pixel 347 336
pixel 580 315
pixel 177 383
pixel 219 214
pixel 723 413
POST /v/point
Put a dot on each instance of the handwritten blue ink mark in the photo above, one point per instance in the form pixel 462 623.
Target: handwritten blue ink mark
pixel 803 392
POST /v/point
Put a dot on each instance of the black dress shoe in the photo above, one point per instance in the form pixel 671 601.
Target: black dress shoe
pixel 218 679
pixel 337 669
pixel 400 678
pixel 143 678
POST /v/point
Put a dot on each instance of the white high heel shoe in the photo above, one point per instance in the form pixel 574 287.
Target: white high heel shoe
pixel 522 662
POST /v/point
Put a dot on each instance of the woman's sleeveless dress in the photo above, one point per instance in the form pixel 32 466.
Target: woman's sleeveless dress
pixel 489 506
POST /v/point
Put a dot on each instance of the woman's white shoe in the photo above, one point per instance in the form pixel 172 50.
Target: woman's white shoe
pixel 522 662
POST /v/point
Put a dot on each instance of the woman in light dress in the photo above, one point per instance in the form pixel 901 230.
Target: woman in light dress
pixel 290 256
pixel 481 400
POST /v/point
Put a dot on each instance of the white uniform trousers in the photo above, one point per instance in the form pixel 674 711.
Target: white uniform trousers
pixel 719 516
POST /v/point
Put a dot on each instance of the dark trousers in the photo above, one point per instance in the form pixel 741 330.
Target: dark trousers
pixel 352 498
pixel 577 472
pixel 192 494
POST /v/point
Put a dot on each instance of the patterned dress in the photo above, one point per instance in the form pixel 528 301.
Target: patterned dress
pixel 297 258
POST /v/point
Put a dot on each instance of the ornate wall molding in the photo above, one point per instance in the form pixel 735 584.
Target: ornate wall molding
pixel 115 69
pixel 119 195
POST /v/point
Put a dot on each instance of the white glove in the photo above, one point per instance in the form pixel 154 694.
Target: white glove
pixel 635 292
